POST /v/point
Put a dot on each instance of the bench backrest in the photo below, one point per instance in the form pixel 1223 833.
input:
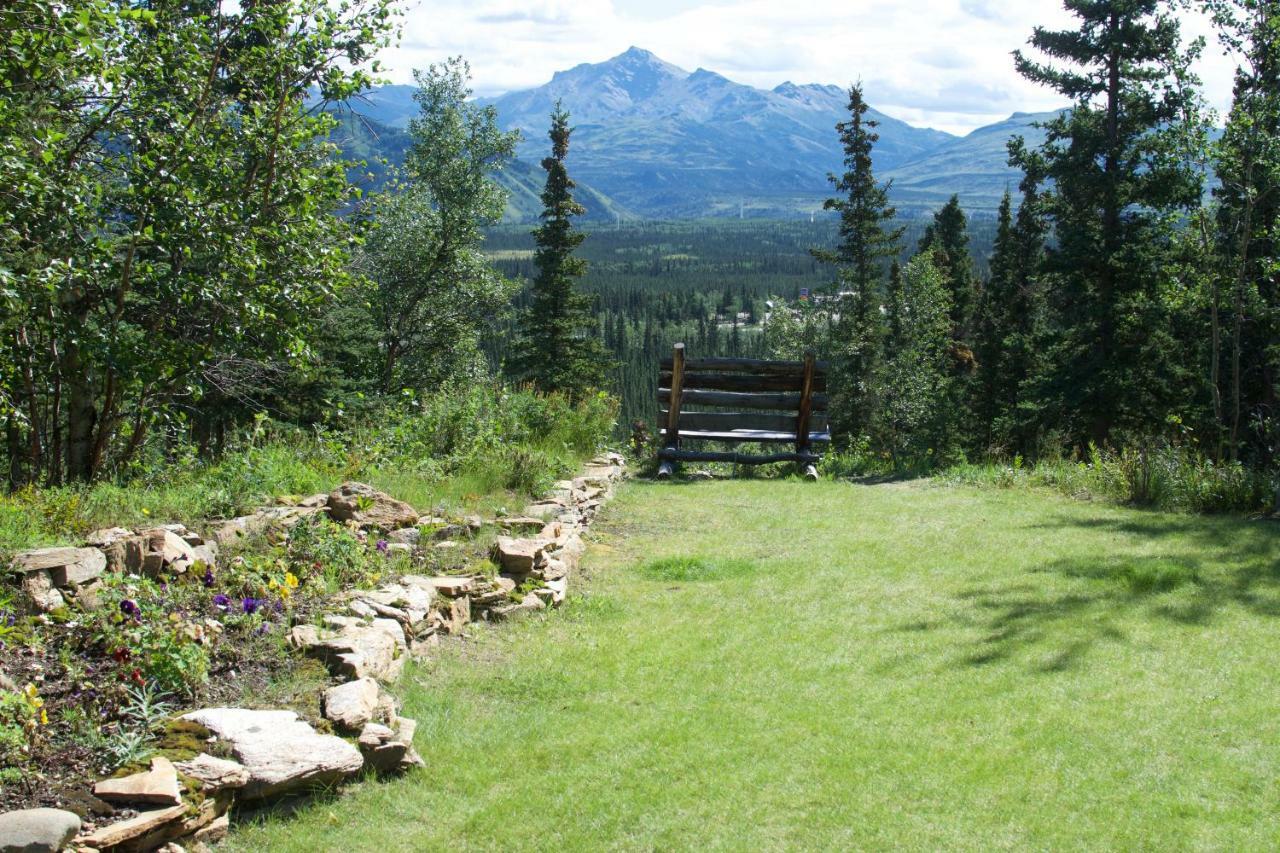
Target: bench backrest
pixel 771 401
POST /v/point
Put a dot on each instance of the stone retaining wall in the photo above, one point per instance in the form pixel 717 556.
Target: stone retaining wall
pixel 364 644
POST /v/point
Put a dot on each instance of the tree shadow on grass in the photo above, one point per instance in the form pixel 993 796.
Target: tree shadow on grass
pixel 1215 565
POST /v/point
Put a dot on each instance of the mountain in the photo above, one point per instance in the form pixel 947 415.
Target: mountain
pixel 665 142
pixel 381 146
pixel 975 166
pixel 654 141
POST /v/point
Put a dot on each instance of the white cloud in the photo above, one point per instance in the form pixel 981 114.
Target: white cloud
pixel 944 63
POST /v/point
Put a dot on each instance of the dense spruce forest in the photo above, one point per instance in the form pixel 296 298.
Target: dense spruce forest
pixel 706 283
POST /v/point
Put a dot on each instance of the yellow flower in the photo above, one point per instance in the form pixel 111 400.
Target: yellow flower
pixel 44 717
pixel 291 580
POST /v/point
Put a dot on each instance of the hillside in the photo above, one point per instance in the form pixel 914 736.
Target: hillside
pixel 975 166
pixel 655 141
pixel 381 146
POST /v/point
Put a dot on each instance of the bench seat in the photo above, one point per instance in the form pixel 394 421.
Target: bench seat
pixel 759 435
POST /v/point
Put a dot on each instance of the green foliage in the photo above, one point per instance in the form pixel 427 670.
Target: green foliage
pixel 475 445
pixel 432 290
pixel 1119 180
pixel 22 719
pixel 1163 477
pixel 138 626
pixel 317 546
pixel 947 239
pixel 559 349
pixel 865 242
pixel 915 410
pixel 168 232
pixel 1244 302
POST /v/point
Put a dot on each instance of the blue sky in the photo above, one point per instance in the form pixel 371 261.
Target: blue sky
pixel 938 63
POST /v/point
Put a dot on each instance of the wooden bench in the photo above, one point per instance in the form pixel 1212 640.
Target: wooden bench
pixel 787 402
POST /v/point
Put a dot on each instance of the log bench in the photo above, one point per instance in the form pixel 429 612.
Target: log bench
pixel 786 403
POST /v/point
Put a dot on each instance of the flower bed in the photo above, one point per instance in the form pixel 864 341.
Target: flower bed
pixel 94 684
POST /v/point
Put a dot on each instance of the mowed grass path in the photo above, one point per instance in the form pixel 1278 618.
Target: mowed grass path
pixel 844 666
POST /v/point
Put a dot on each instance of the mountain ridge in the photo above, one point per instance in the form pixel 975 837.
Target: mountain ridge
pixel 652 140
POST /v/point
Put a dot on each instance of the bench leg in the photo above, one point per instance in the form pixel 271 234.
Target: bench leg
pixel 810 472
pixel 667 467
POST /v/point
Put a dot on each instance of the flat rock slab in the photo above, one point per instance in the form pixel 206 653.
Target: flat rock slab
pixel 37 830
pixel 353 648
pixel 518 556
pixel 125 831
pixel 157 786
pixel 66 566
pixel 444 585
pixel 214 774
pixel 280 752
pixel 349 706
pixel 368 507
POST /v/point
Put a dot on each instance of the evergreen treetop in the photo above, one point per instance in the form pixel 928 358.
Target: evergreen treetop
pixel 559 349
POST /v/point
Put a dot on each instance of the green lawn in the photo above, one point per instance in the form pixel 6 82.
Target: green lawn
pixel 768 665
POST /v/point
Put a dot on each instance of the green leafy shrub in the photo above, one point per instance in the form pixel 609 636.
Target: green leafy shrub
pixel 22 718
pixel 141 626
pixel 334 554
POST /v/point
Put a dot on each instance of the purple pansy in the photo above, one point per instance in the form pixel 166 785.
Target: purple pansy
pixel 129 607
pixel 383 546
pixel 250 605
pixel 207 580
pixel 221 601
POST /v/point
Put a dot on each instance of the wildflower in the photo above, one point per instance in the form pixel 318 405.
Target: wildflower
pixel 222 602
pixel 250 605
pixel 136 678
pixel 129 607
pixel 383 546
pixel 290 580
pixel 264 628
pixel 207 580
pixel 121 655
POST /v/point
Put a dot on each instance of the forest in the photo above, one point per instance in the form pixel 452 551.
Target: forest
pixel 184 254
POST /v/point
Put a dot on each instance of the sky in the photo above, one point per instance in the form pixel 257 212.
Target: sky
pixel 935 63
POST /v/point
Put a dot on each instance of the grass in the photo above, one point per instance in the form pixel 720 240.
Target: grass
pixel 768 665
pixel 481 449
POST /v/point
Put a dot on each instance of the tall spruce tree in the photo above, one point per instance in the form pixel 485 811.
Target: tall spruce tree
pixel 1117 186
pixel 1010 323
pixel 559 348
pixel 866 241
pixel 948 238
pixel 916 415
pixel 990 327
pixel 1248 168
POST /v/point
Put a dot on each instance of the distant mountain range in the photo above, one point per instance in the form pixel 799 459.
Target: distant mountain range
pixel 654 141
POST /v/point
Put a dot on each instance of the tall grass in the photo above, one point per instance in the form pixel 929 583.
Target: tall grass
pixel 1162 477
pixel 483 447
